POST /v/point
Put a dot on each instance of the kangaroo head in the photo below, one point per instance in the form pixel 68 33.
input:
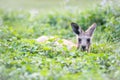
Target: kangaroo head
pixel 84 38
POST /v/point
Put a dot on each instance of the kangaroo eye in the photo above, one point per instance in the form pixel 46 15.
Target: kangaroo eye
pixel 88 40
pixel 79 40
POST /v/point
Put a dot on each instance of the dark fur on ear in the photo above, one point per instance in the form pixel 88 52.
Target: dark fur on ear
pixel 75 28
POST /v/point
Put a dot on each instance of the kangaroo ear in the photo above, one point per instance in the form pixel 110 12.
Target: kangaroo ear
pixel 76 29
pixel 91 29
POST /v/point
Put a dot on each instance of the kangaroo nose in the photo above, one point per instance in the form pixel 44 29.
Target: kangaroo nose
pixel 83 47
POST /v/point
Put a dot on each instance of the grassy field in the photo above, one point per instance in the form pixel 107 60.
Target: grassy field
pixel 22 58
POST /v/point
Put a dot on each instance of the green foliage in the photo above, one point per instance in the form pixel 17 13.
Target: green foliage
pixel 23 58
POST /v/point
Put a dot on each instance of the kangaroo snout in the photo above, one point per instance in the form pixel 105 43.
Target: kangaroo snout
pixel 83 48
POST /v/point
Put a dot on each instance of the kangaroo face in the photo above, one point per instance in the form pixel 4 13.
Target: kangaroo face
pixel 84 38
pixel 84 41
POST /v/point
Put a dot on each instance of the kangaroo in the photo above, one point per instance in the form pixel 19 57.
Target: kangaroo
pixel 84 38
pixel 57 41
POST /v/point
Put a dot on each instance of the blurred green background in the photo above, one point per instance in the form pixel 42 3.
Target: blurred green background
pixel 47 5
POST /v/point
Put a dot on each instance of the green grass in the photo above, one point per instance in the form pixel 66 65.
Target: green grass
pixel 21 58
